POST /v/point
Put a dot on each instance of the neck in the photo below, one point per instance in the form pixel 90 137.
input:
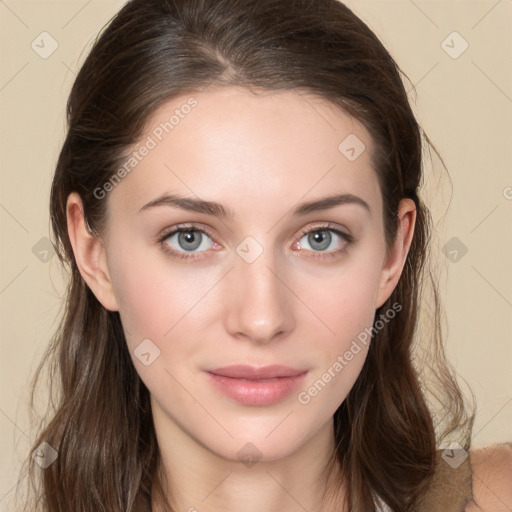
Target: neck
pixel 197 480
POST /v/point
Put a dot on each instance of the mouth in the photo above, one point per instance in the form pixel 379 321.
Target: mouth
pixel 247 372
pixel 258 386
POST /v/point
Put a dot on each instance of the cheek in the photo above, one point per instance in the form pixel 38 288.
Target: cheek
pixel 345 304
pixel 344 299
pixel 141 306
pixel 160 300
pixel 154 301
pixel 151 297
pixel 340 354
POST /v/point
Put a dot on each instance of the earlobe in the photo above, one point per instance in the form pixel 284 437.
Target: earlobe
pixel 397 254
pixel 89 254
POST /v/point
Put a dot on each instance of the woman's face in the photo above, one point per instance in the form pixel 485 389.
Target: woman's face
pixel 271 282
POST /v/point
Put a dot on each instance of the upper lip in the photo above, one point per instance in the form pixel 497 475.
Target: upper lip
pixel 257 372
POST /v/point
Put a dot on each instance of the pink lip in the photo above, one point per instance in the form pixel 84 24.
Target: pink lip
pixel 251 385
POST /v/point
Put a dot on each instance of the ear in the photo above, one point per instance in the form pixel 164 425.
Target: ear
pixel 89 254
pixel 397 253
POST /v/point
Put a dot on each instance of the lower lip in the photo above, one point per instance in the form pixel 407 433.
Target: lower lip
pixel 253 392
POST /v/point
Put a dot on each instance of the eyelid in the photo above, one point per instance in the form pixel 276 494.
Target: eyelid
pixel 325 226
pixel 167 232
pixel 328 226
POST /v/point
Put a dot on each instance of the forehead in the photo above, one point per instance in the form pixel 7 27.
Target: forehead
pixel 240 148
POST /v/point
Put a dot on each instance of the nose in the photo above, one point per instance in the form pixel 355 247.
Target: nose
pixel 259 304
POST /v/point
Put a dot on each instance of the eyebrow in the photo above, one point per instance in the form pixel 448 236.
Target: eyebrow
pixel 218 210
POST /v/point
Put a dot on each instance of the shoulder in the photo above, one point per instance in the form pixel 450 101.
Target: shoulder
pixel 492 479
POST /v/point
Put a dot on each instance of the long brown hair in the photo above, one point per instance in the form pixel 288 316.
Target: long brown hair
pixel 100 422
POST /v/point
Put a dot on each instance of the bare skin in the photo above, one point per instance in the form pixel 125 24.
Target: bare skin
pixel 294 304
pixel 492 479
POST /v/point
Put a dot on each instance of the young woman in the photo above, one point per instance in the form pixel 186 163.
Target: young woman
pixel 238 203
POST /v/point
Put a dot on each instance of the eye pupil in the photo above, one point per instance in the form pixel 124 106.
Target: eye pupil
pixel 320 237
pixel 187 237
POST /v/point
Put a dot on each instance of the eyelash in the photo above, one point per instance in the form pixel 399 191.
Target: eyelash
pixel 349 239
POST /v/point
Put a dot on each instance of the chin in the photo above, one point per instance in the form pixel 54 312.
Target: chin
pixel 267 442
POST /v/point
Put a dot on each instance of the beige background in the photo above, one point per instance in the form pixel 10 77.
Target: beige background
pixel 464 104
